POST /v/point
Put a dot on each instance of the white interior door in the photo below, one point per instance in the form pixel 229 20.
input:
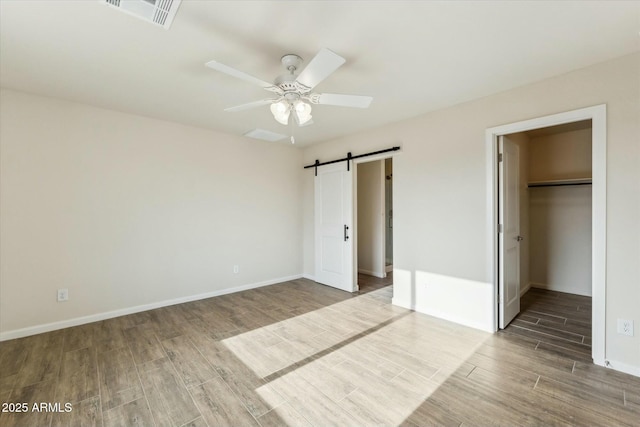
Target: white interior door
pixel 334 226
pixel 509 239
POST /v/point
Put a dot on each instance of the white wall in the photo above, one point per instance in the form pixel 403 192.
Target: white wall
pixel 370 226
pixel 561 239
pixel 561 216
pixel 441 262
pixel 127 211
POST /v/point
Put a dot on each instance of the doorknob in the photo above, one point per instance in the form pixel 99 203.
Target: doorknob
pixel 346 232
pixel 519 238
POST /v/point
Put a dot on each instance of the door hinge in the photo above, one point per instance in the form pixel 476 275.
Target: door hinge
pixel 499 157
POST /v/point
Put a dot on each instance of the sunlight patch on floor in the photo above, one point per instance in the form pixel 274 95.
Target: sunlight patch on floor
pixel 358 361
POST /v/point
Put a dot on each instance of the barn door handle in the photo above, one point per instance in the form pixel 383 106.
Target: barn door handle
pixel 346 232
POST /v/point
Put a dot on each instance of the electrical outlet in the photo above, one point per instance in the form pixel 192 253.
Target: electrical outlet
pixel 63 295
pixel 236 269
pixel 625 327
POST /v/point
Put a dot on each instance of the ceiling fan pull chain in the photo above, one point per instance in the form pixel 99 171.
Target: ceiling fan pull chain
pixel 293 128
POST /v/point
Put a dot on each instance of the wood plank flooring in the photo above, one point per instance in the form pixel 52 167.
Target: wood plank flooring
pixel 303 354
pixel 556 321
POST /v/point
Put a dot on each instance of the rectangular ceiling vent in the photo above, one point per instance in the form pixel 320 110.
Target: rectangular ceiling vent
pixel 265 135
pixel 159 12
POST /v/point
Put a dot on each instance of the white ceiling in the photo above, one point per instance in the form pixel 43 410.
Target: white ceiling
pixel 412 57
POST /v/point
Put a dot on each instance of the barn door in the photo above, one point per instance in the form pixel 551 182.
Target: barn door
pixel 334 226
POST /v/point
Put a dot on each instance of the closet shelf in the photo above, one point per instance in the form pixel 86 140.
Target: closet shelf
pixel 560 182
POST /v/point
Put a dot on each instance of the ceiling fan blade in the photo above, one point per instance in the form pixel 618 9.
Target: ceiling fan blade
pixel 250 105
pixel 356 101
pixel 320 67
pixel 239 74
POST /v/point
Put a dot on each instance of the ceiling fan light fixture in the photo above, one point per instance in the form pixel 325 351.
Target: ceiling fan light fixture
pixel 281 111
pixel 303 111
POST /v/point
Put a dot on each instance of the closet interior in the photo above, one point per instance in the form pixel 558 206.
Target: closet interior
pixel 555 208
pixel 555 221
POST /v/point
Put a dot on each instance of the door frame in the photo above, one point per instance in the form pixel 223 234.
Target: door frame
pixel 598 116
pixel 383 237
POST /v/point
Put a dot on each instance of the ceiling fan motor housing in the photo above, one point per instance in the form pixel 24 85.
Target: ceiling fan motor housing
pixel 290 87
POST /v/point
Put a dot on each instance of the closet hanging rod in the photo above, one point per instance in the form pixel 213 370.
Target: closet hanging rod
pixel 558 184
pixel 349 158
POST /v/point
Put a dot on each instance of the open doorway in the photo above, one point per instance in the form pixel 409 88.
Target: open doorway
pixel 504 283
pixel 552 237
pixel 374 227
pixel 336 219
pixel 388 208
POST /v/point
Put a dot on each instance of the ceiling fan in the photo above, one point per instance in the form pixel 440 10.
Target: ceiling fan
pixel 294 91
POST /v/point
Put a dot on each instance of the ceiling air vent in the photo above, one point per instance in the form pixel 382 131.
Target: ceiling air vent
pixel 265 135
pixel 159 12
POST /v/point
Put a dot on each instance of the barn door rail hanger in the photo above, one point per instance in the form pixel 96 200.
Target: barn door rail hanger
pixel 349 158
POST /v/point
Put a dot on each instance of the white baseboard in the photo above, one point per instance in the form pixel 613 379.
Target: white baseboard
pixel 371 273
pixel 444 315
pixel 47 327
pixel 388 268
pixel 622 367
pixel 551 287
pixel 402 303
pixel 308 276
pixel 525 289
pixel 538 285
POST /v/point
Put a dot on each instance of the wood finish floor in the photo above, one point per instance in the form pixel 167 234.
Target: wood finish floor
pixel 558 321
pixel 303 354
